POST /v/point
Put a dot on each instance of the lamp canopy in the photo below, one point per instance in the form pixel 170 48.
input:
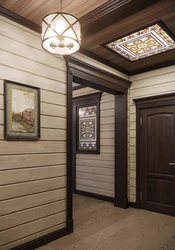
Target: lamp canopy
pixel 61 33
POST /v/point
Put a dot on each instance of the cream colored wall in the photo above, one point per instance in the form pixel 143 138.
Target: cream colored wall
pixel 32 174
pixel 95 173
pixel 152 83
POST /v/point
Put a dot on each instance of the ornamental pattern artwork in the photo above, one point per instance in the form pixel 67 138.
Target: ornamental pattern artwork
pixel 144 43
pixel 87 128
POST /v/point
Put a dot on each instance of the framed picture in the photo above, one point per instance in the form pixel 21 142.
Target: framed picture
pixel 87 112
pixel 21 111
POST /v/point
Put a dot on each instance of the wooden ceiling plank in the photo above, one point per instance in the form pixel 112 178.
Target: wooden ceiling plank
pixel 40 12
pixel 30 7
pixel 19 6
pixel 2 1
pixel 9 3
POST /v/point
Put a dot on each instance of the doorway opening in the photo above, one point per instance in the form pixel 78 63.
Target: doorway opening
pixel 94 78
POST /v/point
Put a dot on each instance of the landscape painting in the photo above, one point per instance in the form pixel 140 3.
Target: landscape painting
pixel 22 111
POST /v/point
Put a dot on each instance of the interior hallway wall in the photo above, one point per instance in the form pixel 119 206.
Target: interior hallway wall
pixel 32 174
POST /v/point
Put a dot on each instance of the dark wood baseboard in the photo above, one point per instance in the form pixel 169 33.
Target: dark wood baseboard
pixel 31 245
pixel 70 226
pixel 96 196
pixel 134 204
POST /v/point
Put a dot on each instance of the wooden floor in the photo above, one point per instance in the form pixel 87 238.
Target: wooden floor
pixel 98 225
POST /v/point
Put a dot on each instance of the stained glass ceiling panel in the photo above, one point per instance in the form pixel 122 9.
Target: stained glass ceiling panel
pixel 144 43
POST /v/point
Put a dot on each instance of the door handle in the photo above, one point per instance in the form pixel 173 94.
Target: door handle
pixel 172 164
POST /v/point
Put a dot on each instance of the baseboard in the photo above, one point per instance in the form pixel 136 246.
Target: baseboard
pixel 31 245
pixel 96 196
pixel 134 204
pixel 70 226
pixel 119 202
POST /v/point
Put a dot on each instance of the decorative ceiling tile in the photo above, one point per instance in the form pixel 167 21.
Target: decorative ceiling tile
pixel 143 43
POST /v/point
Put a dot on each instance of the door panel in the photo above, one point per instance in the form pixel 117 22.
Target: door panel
pixel 158 151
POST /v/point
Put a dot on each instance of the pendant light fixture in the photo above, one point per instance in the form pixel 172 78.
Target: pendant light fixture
pixel 61 33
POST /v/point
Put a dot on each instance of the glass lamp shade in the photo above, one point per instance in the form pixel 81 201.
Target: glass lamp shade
pixel 61 33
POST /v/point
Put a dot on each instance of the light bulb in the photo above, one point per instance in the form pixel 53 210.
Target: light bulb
pixel 60 26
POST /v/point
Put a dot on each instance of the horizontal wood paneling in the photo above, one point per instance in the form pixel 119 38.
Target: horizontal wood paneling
pixel 155 82
pixel 97 171
pixel 31 187
pixel 19 232
pixel 32 174
pixel 22 217
pixel 21 203
pixel 33 160
pixel 39 147
pixel 36 235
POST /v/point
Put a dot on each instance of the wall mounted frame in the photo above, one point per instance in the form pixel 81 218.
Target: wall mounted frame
pixel 92 100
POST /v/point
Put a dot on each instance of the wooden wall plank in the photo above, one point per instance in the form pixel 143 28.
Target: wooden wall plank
pixel 26 202
pixel 31 174
pixel 15 219
pixel 53 110
pixel 27 161
pixel 95 177
pixel 34 54
pixel 96 163
pixel 54 98
pixel 95 184
pixel 18 75
pixel 32 147
pixel 101 157
pixel 18 62
pixel 52 122
pixel 19 232
pixel 53 134
pixel 33 187
pixel 96 170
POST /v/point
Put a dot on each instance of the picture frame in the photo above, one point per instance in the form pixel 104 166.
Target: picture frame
pixel 21 111
pixel 86 110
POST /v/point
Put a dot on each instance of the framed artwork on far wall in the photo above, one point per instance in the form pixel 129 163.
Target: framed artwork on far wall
pixel 21 111
pixel 86 108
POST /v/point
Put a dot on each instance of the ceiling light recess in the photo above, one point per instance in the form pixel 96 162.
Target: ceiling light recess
pixel 143 43
pixel 61 33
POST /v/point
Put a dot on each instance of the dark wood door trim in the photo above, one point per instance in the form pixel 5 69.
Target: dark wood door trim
pixel 95 78
pixel 121 185
pixel 142 103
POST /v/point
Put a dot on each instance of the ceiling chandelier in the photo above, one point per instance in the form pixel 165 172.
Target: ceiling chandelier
pixel 61 33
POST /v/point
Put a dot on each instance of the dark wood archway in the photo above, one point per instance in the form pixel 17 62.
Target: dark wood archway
pixel 93 77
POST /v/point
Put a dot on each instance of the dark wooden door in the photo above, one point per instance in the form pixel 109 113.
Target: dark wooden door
pixel 158 159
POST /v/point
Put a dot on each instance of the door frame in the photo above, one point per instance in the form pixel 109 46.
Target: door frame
pixel 143 103
pixel 93 77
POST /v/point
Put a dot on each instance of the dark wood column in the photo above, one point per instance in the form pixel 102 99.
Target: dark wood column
pixel 121 188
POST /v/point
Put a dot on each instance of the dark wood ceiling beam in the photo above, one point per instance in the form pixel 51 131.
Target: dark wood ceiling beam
pixel 103 61
pixel 110 13
pixel 19 19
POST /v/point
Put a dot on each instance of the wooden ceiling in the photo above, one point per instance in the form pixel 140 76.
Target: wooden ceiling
pixel 35 10
pixel 102 21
